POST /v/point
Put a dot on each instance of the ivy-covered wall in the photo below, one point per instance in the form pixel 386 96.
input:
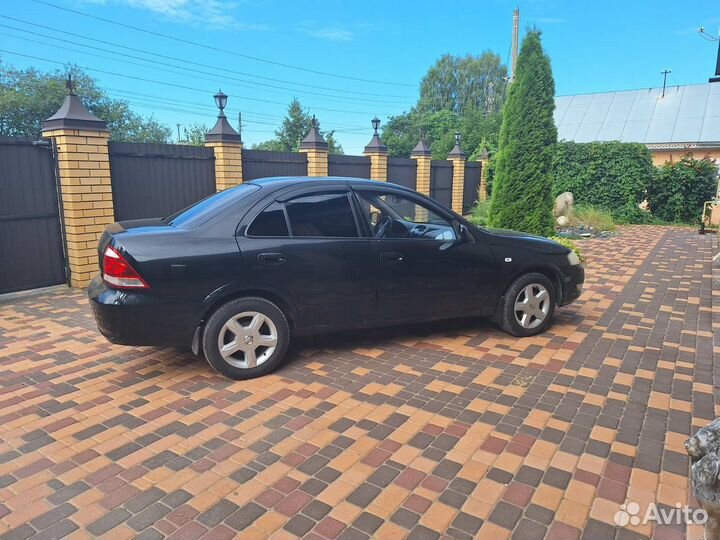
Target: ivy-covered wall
pixel 611 175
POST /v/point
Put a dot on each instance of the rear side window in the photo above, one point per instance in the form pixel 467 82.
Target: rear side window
pixel 270 222
pixel 327 214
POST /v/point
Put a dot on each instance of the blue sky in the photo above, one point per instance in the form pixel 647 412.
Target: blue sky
pixel 594 46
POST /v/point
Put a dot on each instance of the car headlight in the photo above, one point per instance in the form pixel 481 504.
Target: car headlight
pixel 573 258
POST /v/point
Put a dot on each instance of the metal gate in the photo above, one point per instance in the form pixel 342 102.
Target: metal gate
pixel 441 179
pixel 154 180
pixel 352 166
pixel 31 247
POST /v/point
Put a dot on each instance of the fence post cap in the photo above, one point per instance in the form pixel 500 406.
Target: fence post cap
pixel 314 140
pixel 376 146
pixel 421 149
pixel 222 131
pixel 456 152
pixel 72 114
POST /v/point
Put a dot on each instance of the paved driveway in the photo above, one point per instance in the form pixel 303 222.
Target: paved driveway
pixel 454 431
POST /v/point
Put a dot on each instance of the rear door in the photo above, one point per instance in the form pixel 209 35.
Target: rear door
pixel 309 244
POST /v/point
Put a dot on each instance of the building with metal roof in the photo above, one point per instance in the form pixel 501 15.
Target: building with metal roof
pixel 682 119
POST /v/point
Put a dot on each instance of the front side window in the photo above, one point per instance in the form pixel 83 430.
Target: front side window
pixel 394 216
pixel 269 222
pixel 326 214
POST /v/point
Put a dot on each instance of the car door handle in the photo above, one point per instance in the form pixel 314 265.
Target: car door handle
pixel 271 258
pixel 391 257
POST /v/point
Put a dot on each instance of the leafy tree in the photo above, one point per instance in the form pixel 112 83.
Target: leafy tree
pixel 195 134
pixel 680 188
pixel 29 96
pixel 522 188
pixel 463 84
pixel 295 126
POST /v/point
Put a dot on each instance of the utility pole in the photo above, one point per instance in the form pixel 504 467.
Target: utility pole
pixel 178 127
pixel 710 37
pixel 664 73
pixel 514 50
pixel 240 124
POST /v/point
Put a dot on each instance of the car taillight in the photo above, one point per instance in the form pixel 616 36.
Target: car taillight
pixel 118 272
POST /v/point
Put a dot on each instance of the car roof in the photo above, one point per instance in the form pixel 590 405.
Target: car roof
pixel 283 181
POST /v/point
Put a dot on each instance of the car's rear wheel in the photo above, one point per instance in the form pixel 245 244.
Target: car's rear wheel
pixel 528 306
pixel 246 338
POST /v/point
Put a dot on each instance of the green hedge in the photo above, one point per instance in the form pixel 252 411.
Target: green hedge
pixel 609 175
pixel 679 189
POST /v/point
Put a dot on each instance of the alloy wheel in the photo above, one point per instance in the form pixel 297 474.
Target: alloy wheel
pixel 247 339
pixel 532 306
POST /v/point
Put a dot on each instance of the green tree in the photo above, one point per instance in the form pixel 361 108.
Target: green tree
pixel 680 188
pixel 194 134
pixel 295 126
pixel 464 83
pixel 522 188
pixel 29 96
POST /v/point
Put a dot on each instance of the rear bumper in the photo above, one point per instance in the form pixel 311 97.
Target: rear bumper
pixel 573 277
pixel 140 318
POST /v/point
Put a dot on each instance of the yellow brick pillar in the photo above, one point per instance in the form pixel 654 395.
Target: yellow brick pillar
pixel 316 149
pixel 376 150
pixel 422 155
pixel 457 156
pixel 227 147
pixel 484 160
pixel 80 139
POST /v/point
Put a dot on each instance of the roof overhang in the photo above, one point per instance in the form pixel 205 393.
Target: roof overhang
pixel 684 146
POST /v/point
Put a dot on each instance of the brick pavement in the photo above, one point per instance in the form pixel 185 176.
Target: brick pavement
pixel 451 430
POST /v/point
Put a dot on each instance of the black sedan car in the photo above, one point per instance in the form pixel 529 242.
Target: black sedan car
pixel 240 272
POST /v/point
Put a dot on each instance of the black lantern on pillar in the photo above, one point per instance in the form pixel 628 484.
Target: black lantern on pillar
pixel 376 124
pixel 220 102
pixel 457 138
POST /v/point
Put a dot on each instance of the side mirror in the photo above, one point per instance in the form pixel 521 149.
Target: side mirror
pixel 463 233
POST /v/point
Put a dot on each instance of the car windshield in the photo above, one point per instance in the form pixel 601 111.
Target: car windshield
pixel 203 209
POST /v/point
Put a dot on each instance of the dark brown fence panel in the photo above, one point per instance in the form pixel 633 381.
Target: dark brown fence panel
pixel 402 171
pixel 264 164
pixel 441 177
pixel 353 166
pixel 155 180
pixel 472 183
pixel 31 252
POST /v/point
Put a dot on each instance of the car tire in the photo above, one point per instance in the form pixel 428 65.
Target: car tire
pixel 246 338
pixel 528 305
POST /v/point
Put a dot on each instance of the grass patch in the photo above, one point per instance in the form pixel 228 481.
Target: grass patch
pixel 592 216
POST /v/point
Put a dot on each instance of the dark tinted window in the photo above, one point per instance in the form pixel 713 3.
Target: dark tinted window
pixel 328 214
pixel 270 222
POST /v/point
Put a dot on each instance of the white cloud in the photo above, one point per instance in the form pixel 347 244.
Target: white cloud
pixel 208 13
pixel 330 34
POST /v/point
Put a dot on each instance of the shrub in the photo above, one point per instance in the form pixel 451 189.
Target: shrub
pixel 479 213
pixel 613 176
pixel 568 244
pixel 592 216
pixel 522 187
pixel 679 189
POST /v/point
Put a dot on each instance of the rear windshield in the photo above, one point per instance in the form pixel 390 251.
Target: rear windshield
pixel 204 209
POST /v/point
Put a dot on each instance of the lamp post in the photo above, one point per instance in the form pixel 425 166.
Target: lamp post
pixel 221 102
pixel 376 124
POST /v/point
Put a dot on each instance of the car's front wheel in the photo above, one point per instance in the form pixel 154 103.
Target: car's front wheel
pixel 528 306
pixel 246 338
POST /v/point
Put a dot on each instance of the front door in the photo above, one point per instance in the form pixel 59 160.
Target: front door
pixel 423 269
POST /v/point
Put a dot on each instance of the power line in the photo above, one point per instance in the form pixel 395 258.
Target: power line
pixel 176 59
pixel 183 72
pixel 218 49
pixel 184 87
